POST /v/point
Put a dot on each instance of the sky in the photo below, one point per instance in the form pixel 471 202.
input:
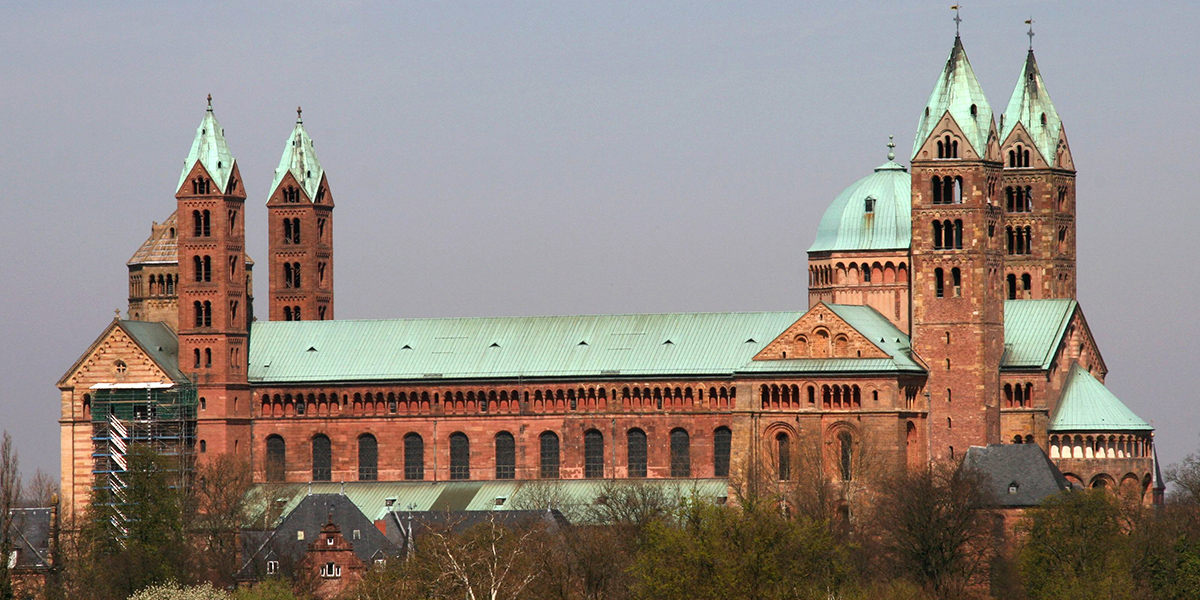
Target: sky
pixel 530 158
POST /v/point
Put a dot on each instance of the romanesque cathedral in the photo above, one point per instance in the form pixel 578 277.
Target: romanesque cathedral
pixel 941 317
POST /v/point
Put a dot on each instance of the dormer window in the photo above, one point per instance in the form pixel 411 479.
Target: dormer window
pixel 1012 488
pixel 331 570
pixel 329 541
pixel 272 567
pixel 869 204
pixel 974 111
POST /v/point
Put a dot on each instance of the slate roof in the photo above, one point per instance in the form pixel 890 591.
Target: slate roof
pixel 30 532
pixel 161 247
pixel 1086 405
pixel 210 149
pixel 309 515
pixel 1018 475
pixel 160 343
pixel 846 224
pixel 956 90
pixel 1030 102
pixel 1033 330
pixel 300 158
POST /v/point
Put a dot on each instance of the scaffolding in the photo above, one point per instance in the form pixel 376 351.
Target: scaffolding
pixel 159 416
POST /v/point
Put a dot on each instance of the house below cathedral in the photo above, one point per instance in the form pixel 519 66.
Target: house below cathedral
pixel 941 317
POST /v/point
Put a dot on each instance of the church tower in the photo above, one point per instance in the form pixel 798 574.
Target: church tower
pixel 300 225
pixel 212 289
pixel 957 302
pixel 1037 193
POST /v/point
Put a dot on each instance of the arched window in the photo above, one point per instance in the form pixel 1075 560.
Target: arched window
pixel 1027 285
pixel 783 455
pixel 958 233
pixel 845 455
pixel 593 454
pixel 681 458
pixel 722 444
pixel 197 224
pixel 287 231
pixel 958 190
pixel 296 275
pixel 939 283
pixel 295 231
pixel 937 235
pixel 956 281
pixel 276 458
pixel 936 185
pixel 414 456
pixel 295 313
pixel 368 458
pixel 208 357
pixel 460 456
pixel 207 313
pixel 506 456
pixel 635 441
pixel 322 458
pixel 287 313
pixel 549 455
pixel 1012 286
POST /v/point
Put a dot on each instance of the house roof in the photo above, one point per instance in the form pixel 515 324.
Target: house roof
pixel 300 159
pixel 956 91
pixel 1086 405
pixel 30 534
pixel 161 247
pixel 510 347
pixel 1018 475
pixel 1033 330
pixel 210 149
pixel 1030 106
pixel 847 226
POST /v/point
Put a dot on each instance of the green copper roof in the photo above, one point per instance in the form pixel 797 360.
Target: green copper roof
pixel 956 91
pixel 847 225
pixel 510 347
pixel 1030 105
pixel 1033 330
pixel 210 149
pixel 1086 405
pixel 300 158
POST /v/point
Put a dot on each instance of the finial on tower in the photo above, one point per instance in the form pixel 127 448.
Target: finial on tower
pixel 298 111
pixel 1029 22
pixel 891 149
pixel 957 18
pixel 210 103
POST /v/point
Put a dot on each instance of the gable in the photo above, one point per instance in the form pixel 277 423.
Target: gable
pixel 1019 135
pixel 1064 160
pixel 820 333
pixel 947 126
pixel 118 356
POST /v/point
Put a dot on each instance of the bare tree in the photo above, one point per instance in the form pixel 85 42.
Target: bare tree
pixel 41 490
pixel 10 495
pixel 219 506
pixel 486 561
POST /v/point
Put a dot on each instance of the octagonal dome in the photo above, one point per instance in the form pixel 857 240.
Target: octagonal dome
pixel 883 223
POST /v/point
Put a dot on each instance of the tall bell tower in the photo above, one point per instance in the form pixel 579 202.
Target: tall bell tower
pixel 300 226
pixel 1037 192
pixel 957 302
pixel 212 289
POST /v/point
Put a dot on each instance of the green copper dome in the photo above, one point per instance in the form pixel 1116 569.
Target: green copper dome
pixel 884 223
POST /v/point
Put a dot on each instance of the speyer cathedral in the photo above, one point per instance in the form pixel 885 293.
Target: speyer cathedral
pixel 941 316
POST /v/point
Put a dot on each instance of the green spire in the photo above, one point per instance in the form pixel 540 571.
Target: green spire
pixel 210 149
pixel 958 92
pixel 1030 106
pixel 300 159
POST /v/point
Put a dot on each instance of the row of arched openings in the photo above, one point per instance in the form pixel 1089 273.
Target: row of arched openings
pixel 1100 446
pixel 1019 239
pixel 549 455
pixel 1018 395
pixel 1018 157
pixel 939 282
pixel 291 313
pixel 947 190
pixel 201 223
pixel 947 235
pixel 291 231
pixel 203 313
pixel 163 285
pixel 947 148
pixel 291 275
pixel 843 397
pixel 1025 289
pixel 202 268
pixel 201 185
pixel 853 273
pixel 1020 199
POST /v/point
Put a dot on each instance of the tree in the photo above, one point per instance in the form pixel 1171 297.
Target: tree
pixel 10 494
pixel 41 490
pixel 1075 547
pixel 1185 479
pixel 934 530
pixel 217 509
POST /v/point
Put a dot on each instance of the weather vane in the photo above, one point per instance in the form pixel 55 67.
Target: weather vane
pixel 1029 22
pixel 957 18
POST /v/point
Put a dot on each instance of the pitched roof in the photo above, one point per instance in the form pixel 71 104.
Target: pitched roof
pixel 510 347
pixel 956 91
pixel 1033 330
pixel 210 149
pixel 846 224
pixel 30 534
pixel 161 247
pixel 1086 405
pixel 1018 475
pixel 1030 105
pixel 872 325
pixel 300 159
pixel 160 343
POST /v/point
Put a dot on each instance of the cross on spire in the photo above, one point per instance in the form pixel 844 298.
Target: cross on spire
pixel 210 103
pixel 1029 22
pixel 957 18
pixel 298 111
pixel 891 148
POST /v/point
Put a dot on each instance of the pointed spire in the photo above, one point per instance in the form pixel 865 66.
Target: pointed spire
pixel 210 149
pixel 300 159
pixel 958 92
pixel 1030 106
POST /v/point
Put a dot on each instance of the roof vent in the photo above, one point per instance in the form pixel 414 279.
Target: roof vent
pixel 494 345
pixel 311 349
pixel 388 502
pixel 407 347
pixel 750 341
pixel 668 343
pixel 582 343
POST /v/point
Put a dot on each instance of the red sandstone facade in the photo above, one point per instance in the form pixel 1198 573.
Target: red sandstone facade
pixel 945 294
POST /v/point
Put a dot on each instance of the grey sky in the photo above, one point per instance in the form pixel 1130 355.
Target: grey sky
pixel 525 158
